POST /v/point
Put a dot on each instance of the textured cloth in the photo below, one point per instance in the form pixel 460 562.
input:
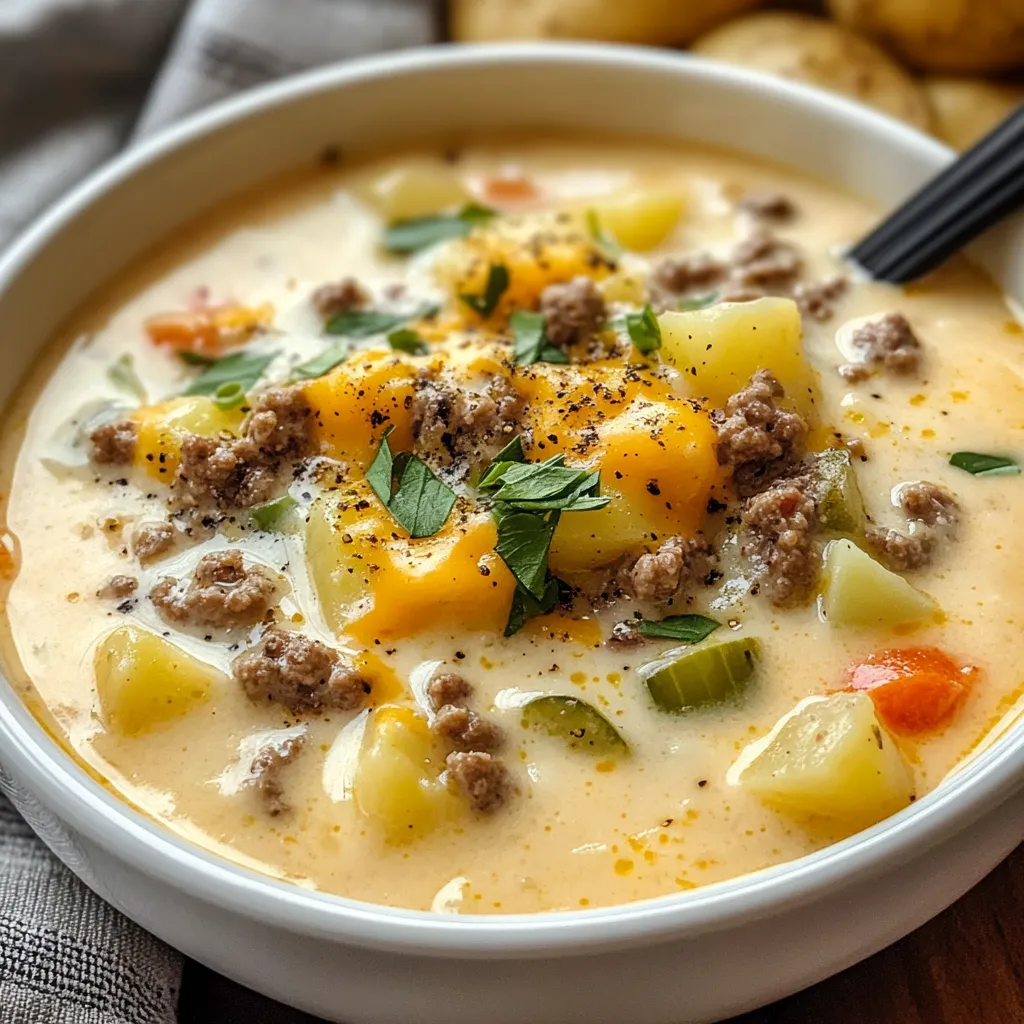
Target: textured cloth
pixel 78 80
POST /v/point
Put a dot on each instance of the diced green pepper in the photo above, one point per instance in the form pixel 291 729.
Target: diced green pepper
pixel 698 677
pixel 840 505
pixel 578 723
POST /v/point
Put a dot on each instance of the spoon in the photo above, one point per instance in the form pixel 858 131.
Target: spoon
pixel 981 187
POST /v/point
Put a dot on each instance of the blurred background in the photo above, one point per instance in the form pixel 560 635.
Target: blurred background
pixel 950 67
pixel 81 78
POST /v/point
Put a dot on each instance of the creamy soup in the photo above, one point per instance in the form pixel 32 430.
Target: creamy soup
pixel 536 526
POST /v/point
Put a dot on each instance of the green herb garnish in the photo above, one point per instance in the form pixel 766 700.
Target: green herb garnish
pixel 408 236
pixel 690 629
pixel 530 342
pixel 984 465
pixel 509 456
pixel 364 323
pixel 196 358
pixel 496 286
pixel 420 503
pixel 322 363
pixel 548 487
pixel 644 329
pixel 228 396
pixel 241 368
pixel 123 376
pixel 601 237
pixel 406 340
pixel 523 542
pixel 525 605
pixel 271 515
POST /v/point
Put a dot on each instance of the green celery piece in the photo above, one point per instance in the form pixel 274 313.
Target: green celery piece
pixel 692 678
pixel 840 505
pixel 578 724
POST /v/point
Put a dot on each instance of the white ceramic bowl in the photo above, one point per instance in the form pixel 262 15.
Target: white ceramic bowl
pixel 696 956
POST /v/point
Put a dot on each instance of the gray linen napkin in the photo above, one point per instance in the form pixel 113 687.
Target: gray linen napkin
pixel 78 80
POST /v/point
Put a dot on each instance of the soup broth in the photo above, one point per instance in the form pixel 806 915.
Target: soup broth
pixel 308 559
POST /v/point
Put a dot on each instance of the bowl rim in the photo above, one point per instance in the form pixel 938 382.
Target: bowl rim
pixel 89 808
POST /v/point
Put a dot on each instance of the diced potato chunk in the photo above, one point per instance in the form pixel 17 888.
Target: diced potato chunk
pixel 640 220
pixel 832 758
pixel 721 347
pixel 416 190
pixel 861 592
pixel 374 582
pixel 143 680
pixel 584 540
pixel 397 781
pixel 162 428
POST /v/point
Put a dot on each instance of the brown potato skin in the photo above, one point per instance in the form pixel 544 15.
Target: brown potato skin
pixel 655 22
pixel 942 35
pixel 964 109
pixel 809 49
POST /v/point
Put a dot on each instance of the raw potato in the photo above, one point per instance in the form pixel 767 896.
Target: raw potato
pixel 660 22
pixel 965 109
pixel 832 758
pixel 942 35
pixel 808 49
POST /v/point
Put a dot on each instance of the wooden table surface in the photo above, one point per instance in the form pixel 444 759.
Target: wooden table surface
pixel 964 967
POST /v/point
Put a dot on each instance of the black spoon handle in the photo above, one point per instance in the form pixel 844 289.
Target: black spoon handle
pixel 973 193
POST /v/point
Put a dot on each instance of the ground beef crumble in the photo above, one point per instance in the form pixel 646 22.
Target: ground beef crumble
pixel 817 299
pixel 573 312
pixel 780 525
pixel 756 438
pixel 462 729
pixel 117 588
pixel 338 296
pixel 902 552
pixel 933 515
pixel 458 427
pixel 929 503
pixel 114 443
pixel 773 206
pixel 482 779
pixel 242 472
pixel 301 673
pixel 888 343
pixel 763 260
pixel 448 688
pixel 150 540
pixel 221 593
pixel 267 768
pixel 678 274
pixel 660 575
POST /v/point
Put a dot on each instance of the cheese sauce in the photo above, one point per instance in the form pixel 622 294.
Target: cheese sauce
pixel 575 829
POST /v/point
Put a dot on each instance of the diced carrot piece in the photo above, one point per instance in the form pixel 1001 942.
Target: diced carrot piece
pixel 915 690
pixel 510 189
pixel 208 329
